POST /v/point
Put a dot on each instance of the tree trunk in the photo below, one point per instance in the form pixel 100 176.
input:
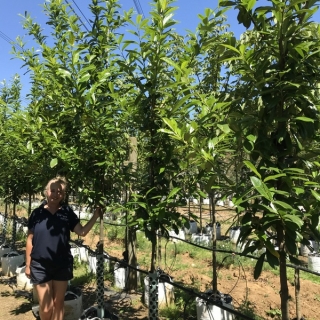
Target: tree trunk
pixel 214 243
pixel 159 247
pixel 14 224
pixel 297 292
pixel 132 242
pixel 153 252
pixel 284 291
pixel 29 204
pixel 200 213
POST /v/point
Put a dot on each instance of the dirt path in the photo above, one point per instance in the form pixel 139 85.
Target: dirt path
pixel 14 306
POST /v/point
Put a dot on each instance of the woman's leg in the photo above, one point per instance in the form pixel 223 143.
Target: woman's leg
pixel 59 289
pixel 45 294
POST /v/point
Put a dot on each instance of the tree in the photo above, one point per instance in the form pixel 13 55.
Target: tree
pixel 206 137
pixel 148 64
pixel 275 118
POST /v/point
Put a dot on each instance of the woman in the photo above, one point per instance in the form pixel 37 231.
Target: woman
pixel 49 263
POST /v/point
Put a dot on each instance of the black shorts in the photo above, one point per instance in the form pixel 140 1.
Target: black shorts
pixel 41 272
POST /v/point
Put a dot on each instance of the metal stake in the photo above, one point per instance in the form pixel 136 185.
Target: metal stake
pixel 153 296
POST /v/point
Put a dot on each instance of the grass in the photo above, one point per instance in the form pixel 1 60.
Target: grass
pixel 184 307
pixel 247 309
pixel 274 313
pixel 81 276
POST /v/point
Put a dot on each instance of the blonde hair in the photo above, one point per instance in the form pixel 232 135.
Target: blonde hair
pixel 61 180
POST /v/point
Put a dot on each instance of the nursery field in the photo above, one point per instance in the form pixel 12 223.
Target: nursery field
pixel 190 267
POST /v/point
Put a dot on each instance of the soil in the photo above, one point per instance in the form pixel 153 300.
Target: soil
pixel 259 297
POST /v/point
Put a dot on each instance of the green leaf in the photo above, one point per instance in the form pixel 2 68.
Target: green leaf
pixel 274 177
pixel 315 194
pixel 232 48
pixel 53 162
pixel 166 19
pixel 252 168
pixel 283 205
pixel 295 219
pixel 173 126
pixel 75 57
pixel 251 137
pixel 173 192
pixel 305 119
pixel 227 3
pixel 261 188
pixel 29 145
pixel 290 244
pixel 64 73
pixel 250 4
pixel 295 261
pixel 141 204
pixel 170 62
pixel 272 260
pixel 71 38
pixel 224 127
pixel 258 266
pixel 271 248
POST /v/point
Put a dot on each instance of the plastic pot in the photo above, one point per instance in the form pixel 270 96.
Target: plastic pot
pixel 207 311
pixel 10 262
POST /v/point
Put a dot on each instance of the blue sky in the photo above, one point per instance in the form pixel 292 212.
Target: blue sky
pixel 11 25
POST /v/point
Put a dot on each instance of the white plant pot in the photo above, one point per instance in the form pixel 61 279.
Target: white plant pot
pixel 304 250
pixel 92 264
pixel 195 238
pixel 81 214
pixel 10 262
pixel 218 230
pixel 243 245
pixel 165 293
pixel 75 251
pixel 83 253
pixel 211 312
pixel 314 262
pixel 120 276
pixel 206 201
pixel 73 305
pixel 4 249
pixel 181 235
pixel 193 228
pixel 209 228
pixel 220 203
pixel 201 239
pixel 23 283
pixel 234 234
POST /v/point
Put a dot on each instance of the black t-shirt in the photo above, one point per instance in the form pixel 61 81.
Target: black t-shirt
pixel 51 235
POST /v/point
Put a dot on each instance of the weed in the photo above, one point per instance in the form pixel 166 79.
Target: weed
pixel 274 313
pixel 317 297
pixel 247 309
pixel 81 275
pixel 120 232
pixel 184 307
